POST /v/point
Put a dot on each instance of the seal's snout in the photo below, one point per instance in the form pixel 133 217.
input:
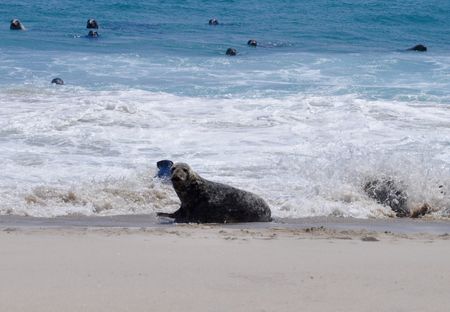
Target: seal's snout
pixel 176 178
pixel 179 173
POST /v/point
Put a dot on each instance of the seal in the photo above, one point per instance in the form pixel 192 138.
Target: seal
pixel 92 34
pixel 204 201
pixel 91 24
pixel 252 43
pixel 419 48
pixel 16 25
pixel 388 193
pixel 213 22
pixel 231 52
pixel 58 81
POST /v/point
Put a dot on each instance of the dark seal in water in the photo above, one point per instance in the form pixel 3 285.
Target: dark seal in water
pixel 92 24
pixel 419 47
pixel 213 22
pixel 16 25
pixel 252 43
pixel 58 81
pixel 231 52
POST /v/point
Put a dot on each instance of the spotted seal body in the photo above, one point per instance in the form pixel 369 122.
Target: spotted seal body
pixel 388 193
pixel 204 201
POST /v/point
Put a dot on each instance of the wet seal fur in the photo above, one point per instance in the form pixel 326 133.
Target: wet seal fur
pixel 419 48
pixel 213 22
pixel 231 52
pixel 204 201
pixel 392 194
pixel 252 43
pixel 58 81
pixel 16 25
pixel 91 24
pixel 93 34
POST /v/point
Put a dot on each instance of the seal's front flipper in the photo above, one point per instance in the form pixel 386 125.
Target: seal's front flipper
pixel 164 214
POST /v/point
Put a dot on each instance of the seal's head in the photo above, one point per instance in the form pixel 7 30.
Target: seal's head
pixel 182 175
pixel 16 25
pixel 252 43
pixel 213 22
pixel 92 24
pixel 231 52
pixel 58 81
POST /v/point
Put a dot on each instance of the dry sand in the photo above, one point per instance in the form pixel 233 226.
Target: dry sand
pixel 214 268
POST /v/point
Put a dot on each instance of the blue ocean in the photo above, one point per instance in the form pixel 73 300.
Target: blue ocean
pixel 329 99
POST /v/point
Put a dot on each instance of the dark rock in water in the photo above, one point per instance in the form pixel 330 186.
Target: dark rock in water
pixel 16 25
pixel 388 193
pixel 252 42
pixel 213 22
pixel 58 81
pixel 231 52
pixel 92 24
pixel 164 167
pixel 93 34
pixel 419 47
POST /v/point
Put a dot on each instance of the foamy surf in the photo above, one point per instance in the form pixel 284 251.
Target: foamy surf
pixel 78 151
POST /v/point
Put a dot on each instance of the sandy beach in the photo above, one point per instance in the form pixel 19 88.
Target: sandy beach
pixel 222 268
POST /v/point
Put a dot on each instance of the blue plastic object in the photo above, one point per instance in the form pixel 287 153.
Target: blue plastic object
pixel 164 168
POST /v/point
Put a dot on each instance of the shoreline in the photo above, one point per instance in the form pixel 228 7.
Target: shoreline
pixel 150 221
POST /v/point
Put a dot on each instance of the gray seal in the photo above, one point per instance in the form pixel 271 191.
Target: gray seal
pixel 419 48
pixel 231 52
pixel 252 43
pixel 92 24
pixel 213 22
pixel 58 81
pixel 16 25
pixel 204 201
pixel 389 193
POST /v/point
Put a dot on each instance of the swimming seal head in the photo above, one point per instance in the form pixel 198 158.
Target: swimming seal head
pixel 16 25
pixel 252 42
pixel 231 52
pixel 213 21
pixel 419 48
pixel 58 81
pixel 92 24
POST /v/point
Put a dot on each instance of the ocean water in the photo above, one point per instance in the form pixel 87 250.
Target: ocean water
pixel 328 100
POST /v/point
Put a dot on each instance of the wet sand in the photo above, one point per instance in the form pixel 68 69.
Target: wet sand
pixel 134 263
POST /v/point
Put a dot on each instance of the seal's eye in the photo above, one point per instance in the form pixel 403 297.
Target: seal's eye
pixel 172 169
pixel 185 170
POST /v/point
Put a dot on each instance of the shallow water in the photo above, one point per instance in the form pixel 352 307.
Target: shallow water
pixel 329 99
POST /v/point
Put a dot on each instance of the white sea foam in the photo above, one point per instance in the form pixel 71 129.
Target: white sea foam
pixel 77 151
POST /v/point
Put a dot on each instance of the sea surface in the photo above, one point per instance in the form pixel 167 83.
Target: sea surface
pixel 329 100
